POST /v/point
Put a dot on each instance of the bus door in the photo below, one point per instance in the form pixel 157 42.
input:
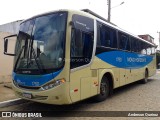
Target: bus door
pixel 82 40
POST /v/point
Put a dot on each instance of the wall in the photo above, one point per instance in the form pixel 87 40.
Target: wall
pixel 147 38
pixel 12 27
pixel 6 62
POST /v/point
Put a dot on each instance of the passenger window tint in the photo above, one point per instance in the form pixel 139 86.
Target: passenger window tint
pixel 132 44
pixel 81 48
pixel 124 42
pixel 149 50
pixel 136 45
pixel 141 47
pixel 153 50
pixel 106 36
pixel 77 44
pixel 143 51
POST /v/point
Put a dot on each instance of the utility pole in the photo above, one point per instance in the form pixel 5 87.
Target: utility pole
pixel 109 10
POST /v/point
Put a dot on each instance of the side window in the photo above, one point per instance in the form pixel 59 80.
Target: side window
pixel 140 46
pixel 81 48
pixel 77 44
pixel 153 50
pixel 128 46
pixel 136 45
pixel 132 44
pixel 82 39
pixel 124 42
pixel 106 36
pixel 143 50
pixel 149 50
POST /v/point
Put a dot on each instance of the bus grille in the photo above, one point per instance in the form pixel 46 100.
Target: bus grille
pixel 27 87
pixel 36 97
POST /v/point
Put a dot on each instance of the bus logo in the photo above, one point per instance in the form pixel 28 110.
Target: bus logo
pixel 6 114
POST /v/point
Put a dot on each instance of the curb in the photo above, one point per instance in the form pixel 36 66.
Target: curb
pixel 12 102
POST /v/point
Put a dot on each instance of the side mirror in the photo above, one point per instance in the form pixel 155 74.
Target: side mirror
pixel 6 45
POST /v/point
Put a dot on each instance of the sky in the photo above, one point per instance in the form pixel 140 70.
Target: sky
pixel 134 16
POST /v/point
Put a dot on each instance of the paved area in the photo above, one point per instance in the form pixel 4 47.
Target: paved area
pixel 6 93
pixel 133 97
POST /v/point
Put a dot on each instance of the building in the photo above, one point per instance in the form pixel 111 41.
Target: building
pixel 11 27
pixel 147 37
pixel 6 62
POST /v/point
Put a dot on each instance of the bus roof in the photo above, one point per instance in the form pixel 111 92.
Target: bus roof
pixel 101 19
pixel 91 14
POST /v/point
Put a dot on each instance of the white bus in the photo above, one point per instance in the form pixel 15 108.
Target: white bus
pixel 66 56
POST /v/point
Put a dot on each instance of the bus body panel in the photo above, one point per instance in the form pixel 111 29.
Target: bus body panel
pixel 58 95
pixel 123 76
pixel 83 84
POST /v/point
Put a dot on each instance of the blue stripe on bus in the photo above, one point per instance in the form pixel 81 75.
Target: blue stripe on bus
pixel 126 60
pixel 34 80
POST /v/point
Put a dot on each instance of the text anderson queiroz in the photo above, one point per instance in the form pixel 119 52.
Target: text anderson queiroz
pixel 143 114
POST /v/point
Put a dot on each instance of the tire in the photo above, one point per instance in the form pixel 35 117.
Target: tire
pixel 104 90
pixel 145 80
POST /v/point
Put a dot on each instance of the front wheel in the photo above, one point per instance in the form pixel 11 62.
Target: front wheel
pixel 104 90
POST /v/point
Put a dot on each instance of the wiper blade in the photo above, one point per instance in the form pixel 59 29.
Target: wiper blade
pixel 40 66
pixel 19 56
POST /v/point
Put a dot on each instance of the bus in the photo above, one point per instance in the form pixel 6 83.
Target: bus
pixel 66 56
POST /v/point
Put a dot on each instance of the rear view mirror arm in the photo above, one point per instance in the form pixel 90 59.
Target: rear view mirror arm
pixel 6 44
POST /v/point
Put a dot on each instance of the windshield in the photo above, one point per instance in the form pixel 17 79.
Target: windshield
pixel 40 44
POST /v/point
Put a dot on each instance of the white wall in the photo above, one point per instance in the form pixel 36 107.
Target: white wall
pixel 12 27
pixel 6 62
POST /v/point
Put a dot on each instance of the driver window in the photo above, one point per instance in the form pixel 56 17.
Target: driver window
pixel 81 48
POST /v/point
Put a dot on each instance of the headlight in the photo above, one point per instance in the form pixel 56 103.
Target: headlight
pixel 52 84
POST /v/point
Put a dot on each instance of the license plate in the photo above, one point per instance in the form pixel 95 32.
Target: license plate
pixel 27 95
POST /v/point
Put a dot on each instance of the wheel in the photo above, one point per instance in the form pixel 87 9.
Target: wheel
pixel 104 90
pixel 145 80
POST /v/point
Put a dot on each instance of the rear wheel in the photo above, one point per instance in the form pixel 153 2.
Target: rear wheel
pixel 145 80
pixel 104 90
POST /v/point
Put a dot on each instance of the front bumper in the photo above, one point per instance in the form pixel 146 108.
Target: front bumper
pixel 58 95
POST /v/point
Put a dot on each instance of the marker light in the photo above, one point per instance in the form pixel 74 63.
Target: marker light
pixel 53 84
